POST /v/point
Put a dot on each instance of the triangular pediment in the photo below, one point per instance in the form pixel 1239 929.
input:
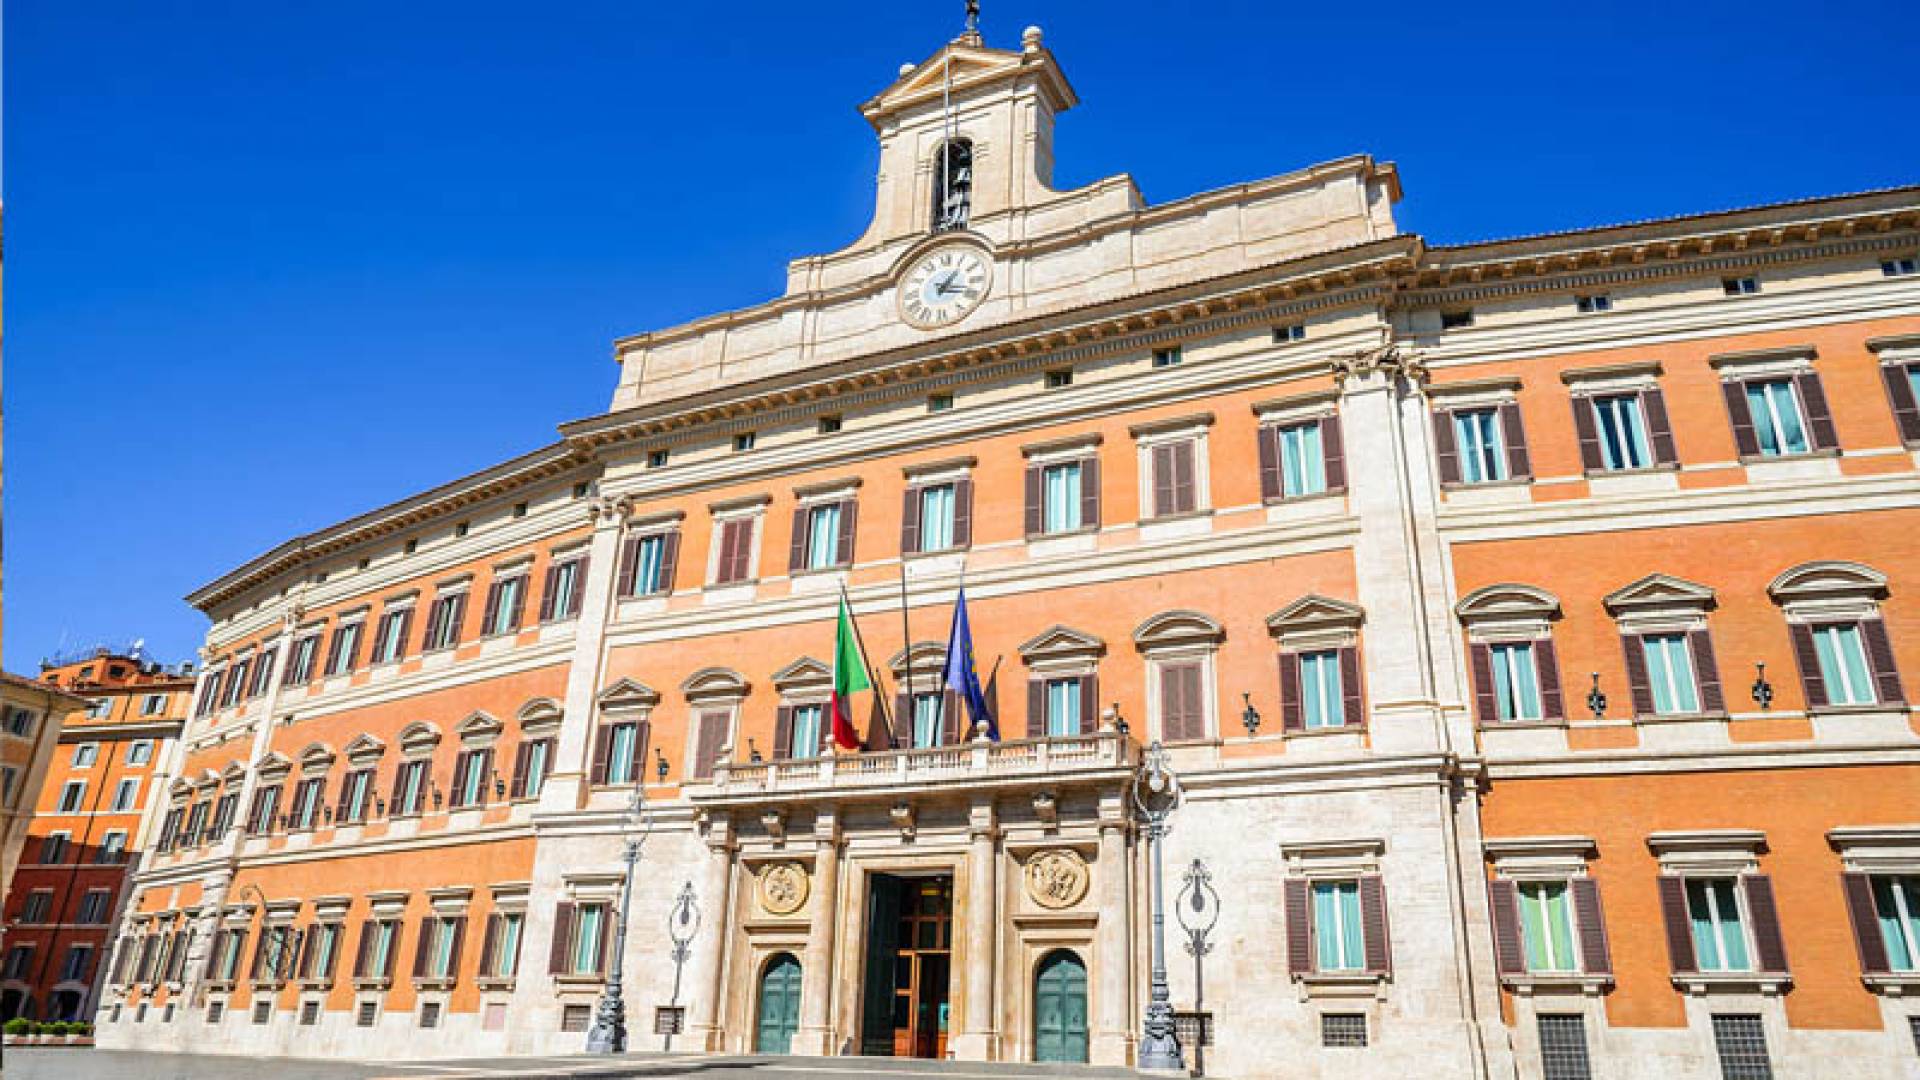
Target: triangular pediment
pixel 628 692
pixel 1061 641
pixel 1314 612
pixel 364 748
pixel 963 66
pixel 1659 591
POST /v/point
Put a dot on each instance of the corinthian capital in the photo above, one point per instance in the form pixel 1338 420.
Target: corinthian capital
pixel 1388 359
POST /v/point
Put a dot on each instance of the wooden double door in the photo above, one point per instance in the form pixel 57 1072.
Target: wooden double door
pixel 909 966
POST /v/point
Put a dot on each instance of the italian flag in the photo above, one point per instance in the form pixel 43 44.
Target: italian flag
pixel 849 678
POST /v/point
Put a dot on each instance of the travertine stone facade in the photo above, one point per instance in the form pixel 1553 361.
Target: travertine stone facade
pixel 1441 572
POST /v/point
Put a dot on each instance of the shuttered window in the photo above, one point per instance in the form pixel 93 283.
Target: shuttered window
pixel 1895 920
pixel 1477 434
pixel 1063 706
pixel 736 551
pixel 933 526
pixel 471 770
pixel 1546 920
pixel 1516 683
pixel 1173 479
pixel 822 536
pixel 1481 445
pixel 1670 673
pixel 346 647
pixel 1903 390
pixel 1320 696
pixel 443 621
pixel 1719 938
pixel 1620 431
pixel 586 948
pixel 530 764
pixel 506 603
pixel 1061 494
pixel 300 661
pixel 1338 939
pixel 566 581
pixel 409 788
pixel 926 719
pixel 1182 700
pixel 1843 665
pixel 1303 459
pixel 713 724
pixel 805 740
pixel 1776 417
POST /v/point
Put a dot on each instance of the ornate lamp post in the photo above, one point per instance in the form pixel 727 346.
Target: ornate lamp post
pixel 683 922
pixel 1156 793
pixel 609 1032
pixel 1198 907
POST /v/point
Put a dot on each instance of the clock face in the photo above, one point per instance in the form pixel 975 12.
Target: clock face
pixel 944 285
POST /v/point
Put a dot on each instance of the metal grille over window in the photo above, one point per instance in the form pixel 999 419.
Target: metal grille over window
pixel 261 1011
pixel 1741 1042
pixel 575 1017
pixel 215 1011
pixel 1343 1029
pixel 309 1013
pixel 1913 1024
pixel 1563 1047
pixel 369 1011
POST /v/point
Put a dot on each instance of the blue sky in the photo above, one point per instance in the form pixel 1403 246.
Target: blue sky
pixel 270 265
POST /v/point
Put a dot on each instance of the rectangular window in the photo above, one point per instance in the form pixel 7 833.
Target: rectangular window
pixel 346 645
pixel 621 749
pixel 39 902
pixel 391 640
pixel 53 849
pixel 1898 267
pixel 20 722
pixel 1740 286
pixel 657 459
pixel 1741 1042
pixel 649 558
pixel 736 551
pixel 1719 940
pixel 1063 706
pixel 262 673
pixel 504 961
pixel 1622 432
pixel 440 954
pixel 367 1014
pixel 1338 939
pixel 1670 673
pixel 1057 379
pixel 140 751
pixel 565 578
pixel 1843 664
pixel 1175 489
pixel 320 955
pixel 830 425
pixel 1563 1047
pixel 306 803
pixel 113 847
pixel 927 719
pixel 534 776
pixel 78 959
pixel 470 777
pixel 1516 684
pixel 9 776
pixel 266 804
pixel 72 796
pixel 1546 923
pixel 19 958
pixel 1346 1031
pixel 356 790
pixel 1303 463
pixel 1321 703
pixel 1456 320
pixel 443 622
pixel 1896 905
pixel 223 812
pixel 1292 332
pixel 823 536
pixel 85 754
pixel 153 705
pixel 1483 458
pixel 1167 357
pixel 939 403
pixel 505 606
pixel 94 907
pixel 1060 495
pixel 126 795
pixel 410 788
pixel 743 442
pixel 100 709
pixel 1776 417
pixel 589 924
pixel 805 741
pixel 1598 302
pixel 936 517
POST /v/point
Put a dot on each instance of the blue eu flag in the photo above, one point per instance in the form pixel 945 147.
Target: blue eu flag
pixel 962 677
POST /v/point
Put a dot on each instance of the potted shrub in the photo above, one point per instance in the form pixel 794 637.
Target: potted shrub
pixel 18 1029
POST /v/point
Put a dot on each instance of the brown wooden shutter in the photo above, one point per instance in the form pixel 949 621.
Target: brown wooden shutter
pixel 797 544
pixel 743 567
pixel 459 929
pixel 1036 708
pixel 562 930
pixel 713 736
pixel 1373 921
pixel 519 602
pixel 669 565
pixel 1595 956
pixel 1857 888
pixel 843 544
pixel 1769 948
pixel 520 755
pixel 602 750
pixel 910 521
pixel 1706 672
pixel 782 732
pixel 1906 410
pixel 1509 950
pixel 1446 453
pixel 1587 432
pixel 435 612
pixel 1813 682
pixel 1744 438
pixel 1090 493
pixel 1819 417
pixel 1486 707
pixel 367 929
pixel 487 940
pixel 420 946
pixel 606 938
pixel 460 776
pixel 963 512
pixel 629 569
pixel 1299 916
pixel 950 712
pixel 902 720
pixel 547 597
pixel 1089 704
pixel 1546 663
pixel 1673 910
pixel 1035 502
pixel 1292 718
pixel 1182 711
pixel 1886 674
pixel 1653 404
pixel 1163 480
pixel 1186 479
pixel 303 967
pixel 1639 687
pixel 1519 463
pixel 341 811
pixel 1333 454
pixel 1267 438
pixel 1356 714
pixel 492 609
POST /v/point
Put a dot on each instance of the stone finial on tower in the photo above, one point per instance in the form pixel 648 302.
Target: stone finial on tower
pixel 1030 39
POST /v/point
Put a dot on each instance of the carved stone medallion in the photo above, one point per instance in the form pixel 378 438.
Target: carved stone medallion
pixel 1057 878
pixel 783 888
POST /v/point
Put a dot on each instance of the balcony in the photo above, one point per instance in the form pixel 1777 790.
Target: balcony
pixel 1103 755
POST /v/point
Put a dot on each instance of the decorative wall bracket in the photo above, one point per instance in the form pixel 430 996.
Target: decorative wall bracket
pixel 902 815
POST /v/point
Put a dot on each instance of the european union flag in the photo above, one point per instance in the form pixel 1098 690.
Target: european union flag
pixel 962 677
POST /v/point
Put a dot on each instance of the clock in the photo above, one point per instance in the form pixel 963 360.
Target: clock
pixel 944 285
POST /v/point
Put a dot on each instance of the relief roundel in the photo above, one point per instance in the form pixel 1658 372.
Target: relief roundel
pixel 1057 879
pixel 783 888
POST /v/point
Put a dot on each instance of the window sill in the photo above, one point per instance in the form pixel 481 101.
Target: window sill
pixel 325 983
pixel 1084 530
pixel 494 982
pixel 1323 732
pixel 1295 500
pixel 579 981
pixel 1725 982
pixel 1603 472
pixel 932 552
pixel 1680 718
pixel 267 984
pixel 377 982
pixel 1805 455
pixel 1183 515
pixel 1896 707
pixel 213 986
pixel 1557 981
pixel 439 982
pixel 1343 984
pixel 1893 983
pixel 1523 725
pixel 1485 485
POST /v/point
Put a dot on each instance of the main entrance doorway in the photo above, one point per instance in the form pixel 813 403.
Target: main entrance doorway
pixel 779 1005
pixel 909 961
pixel 1060 1008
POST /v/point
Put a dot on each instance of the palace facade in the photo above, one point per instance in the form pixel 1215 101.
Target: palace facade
pixel 1525 621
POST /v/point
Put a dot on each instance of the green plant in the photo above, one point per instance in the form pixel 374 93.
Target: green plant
pixel 19 1025
pixel 82 1027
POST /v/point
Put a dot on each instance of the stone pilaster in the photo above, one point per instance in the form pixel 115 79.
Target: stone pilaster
pixel 1112 1042
pixel 977 1039
pixel 710 945
pixel 565 788
pixel 816 999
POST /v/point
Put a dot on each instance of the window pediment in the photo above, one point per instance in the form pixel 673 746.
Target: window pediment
pixel 1176 629
pixel 627 695
pixel 803 675
pixel 715 684
pixel 364 750
pixel 316 759
pixel 1828 583
pixel 1061 643
pixel 1314 619
pixel 542 715
pixel 274 764
pixel 927 656
pixel 1660 594
pixel 479 729
pixel 1508 610
pixel 418 739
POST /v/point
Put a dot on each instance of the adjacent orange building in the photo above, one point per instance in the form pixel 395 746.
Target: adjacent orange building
pixel 1525 620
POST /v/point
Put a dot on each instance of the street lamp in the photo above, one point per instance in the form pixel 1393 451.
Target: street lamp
pixel 609 1032
pixel 683 922
pixel 1156 793
pixel 1198 907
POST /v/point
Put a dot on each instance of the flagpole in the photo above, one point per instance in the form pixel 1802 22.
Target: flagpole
pixel 867 658
pixel 906 635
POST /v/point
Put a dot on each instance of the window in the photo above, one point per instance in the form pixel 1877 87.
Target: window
pixel 1713 911
pixel 1059 378
pixel 126 795
pixel 1061 497
pixel 1740 286
pixel 939 403
pixel 530 767
pixel 1546 924
pixel 1321 699
pixel 262 673
pixel 580 489
pixel 72 794
pixel 1167 357
pixel 306 803
pixel 429 1014
pixel 441 949
pixel 829 424
pixel 1516 685
pixel 1563 1047
pixel 646 562
pixel 927 718
pixel 39 903
pixel 223 812
pixel 1290 332
pixel 409 788
pixel 1898 267
pixel 100 709
pixel 575 1017
pixel 356 790
pixel 471 771
pixel 1175 489
pixel 585 948
pixel 228 947
pixel 79 958
pixel 20 722
pixel 113 847
pixel 266 806
pixel 84 755
pixel 1896 907
pixel 1296 459
pixel 1589 305
pixel 1343 1030
pixel 734 562
pixel 1621 432
pixel 805 739
pixel 743 442
pixel 1842 658
pixel 1456 320
pixel 1063 706
pixel 1670 673
pixel 502 957
pixel 19 959
pixel 657 459
pixel 1741 1043
pixel 378 945
pixel 366 1014
pixel 444 619
pixel 1775 413
pixel 95 906
pixel 346 646
pixel 309 1013
pixel 519 509
pixel 506 601
pixel 197 822
pixel 823 536
pixel 153 705
pixel 1477 434
pixel 566 579
pixel 932 527
pixel 1182 700
pixel 8 777
pixel 140 752
pixel 1337 933
pixel 53 849
pixel 621 763
pixel 390 640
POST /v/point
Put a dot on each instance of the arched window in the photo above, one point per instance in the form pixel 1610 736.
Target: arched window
pixel 952 184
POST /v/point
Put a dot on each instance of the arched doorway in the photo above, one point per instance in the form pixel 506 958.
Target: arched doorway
pixel 13 1003
pixel 65 1005
pixel 1060 1008
pixel 779 1005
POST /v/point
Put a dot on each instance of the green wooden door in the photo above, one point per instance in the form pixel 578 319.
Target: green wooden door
pixel 1060 1009
pixel 780 1005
